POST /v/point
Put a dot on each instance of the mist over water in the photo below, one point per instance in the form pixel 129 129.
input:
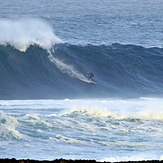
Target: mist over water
pixel 21 33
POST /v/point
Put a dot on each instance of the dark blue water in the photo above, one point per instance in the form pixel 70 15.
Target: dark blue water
pixel 120 71
pixel 95 21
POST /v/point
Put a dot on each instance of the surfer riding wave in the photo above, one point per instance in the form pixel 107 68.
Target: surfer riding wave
pixel 90 76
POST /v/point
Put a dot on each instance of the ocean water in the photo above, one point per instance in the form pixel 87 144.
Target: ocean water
pixel 48 107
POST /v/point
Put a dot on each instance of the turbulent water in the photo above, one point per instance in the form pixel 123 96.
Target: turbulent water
pixel 48 107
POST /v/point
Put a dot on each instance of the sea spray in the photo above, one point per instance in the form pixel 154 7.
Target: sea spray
pixel 21 33
pixel 66 68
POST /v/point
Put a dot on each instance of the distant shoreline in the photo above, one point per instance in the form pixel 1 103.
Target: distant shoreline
pixel 13 160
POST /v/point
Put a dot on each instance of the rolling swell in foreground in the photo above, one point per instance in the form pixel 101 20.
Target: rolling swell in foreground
pixel 120 71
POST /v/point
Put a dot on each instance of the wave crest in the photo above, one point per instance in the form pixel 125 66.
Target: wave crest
pixel 25 32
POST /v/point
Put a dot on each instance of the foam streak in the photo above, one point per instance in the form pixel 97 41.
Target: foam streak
pixel 67 69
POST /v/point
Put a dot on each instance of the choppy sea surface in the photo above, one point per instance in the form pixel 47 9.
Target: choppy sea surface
pixel 48 107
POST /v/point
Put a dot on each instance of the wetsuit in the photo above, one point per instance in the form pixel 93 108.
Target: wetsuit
pixel 90 76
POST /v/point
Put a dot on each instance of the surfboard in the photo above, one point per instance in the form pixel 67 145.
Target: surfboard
pixel 93 82
pixel 88 81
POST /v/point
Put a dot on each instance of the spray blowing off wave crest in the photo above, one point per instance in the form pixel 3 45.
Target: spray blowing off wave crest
pixel 65 68
pixel 25 32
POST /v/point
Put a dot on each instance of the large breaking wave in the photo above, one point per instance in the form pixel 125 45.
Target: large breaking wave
pixel 22 33
pixel 35 63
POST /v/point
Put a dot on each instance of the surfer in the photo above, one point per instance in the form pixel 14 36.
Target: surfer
pixel 90 75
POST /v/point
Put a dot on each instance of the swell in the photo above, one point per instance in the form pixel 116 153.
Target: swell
pixel 120 71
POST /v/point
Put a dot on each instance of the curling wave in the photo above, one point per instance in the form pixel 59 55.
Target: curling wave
pixel 22 33
pixel 120 71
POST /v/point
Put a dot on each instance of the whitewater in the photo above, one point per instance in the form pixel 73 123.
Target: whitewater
pixel 101 129
pixel 48 108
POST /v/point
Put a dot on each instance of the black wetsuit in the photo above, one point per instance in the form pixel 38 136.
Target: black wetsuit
pixel 90 76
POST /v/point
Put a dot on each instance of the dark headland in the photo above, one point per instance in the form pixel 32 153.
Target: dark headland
pixel 71 161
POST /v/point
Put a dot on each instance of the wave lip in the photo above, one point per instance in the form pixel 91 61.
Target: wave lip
pixel 22 33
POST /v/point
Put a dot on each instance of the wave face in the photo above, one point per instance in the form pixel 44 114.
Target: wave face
pixel 120 71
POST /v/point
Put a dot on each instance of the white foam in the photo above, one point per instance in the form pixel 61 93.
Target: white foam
pixel 143 108
pixel 21 33
pixel 120 109
pixel 137 157
pixel 66 68
pixel 61 138
pixel 8 128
